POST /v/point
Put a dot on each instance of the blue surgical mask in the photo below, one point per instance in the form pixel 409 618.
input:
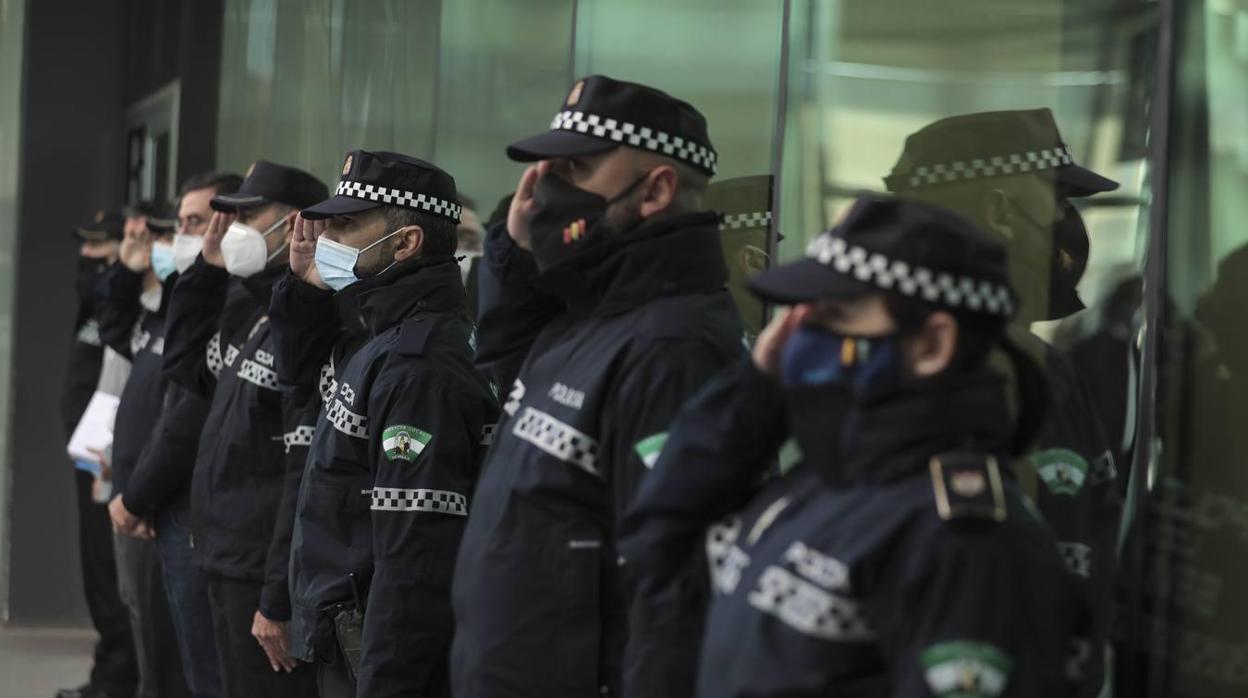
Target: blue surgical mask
pixel 814 356
pixel 335 262
pixel 162 260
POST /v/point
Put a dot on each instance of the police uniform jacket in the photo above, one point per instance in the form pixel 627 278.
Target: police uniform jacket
pixel 255 437
pixel 139 335
pixel 626 334
pixel 882 574
pixel 390 477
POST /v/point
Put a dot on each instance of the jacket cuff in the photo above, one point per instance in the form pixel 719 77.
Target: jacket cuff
pixel 275 601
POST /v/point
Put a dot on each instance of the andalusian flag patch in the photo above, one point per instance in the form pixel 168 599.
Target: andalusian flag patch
pixel 650 447
pixel 965 669
pixel 404 441
pixel 1062 470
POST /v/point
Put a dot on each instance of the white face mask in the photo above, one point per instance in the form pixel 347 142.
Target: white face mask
pixel 185 250
pixel 335 262
pixel 244 249
pixel 465 263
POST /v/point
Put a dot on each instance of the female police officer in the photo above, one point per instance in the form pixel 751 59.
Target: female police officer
pixel 899 557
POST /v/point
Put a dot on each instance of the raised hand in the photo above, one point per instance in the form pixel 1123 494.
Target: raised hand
pixel 217 225
pixel 523 207
pixel 303 250
pixel 772 339
pixel 136 248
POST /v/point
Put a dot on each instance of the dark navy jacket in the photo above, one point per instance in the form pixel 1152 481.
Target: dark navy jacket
pixel 846 578
pixel 390 477
pixel 607 347
pixel 255 437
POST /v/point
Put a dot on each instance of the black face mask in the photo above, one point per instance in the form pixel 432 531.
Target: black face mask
pixel 90 271
pixel 569 219
pixel 1069 261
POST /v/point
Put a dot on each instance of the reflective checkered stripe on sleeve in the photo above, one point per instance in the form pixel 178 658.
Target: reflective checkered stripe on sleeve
pixel 1078 557
pixel 400 197
pixel 213 356
pixel 980 168
pixel 326 384
pixel 895 274
pixel 432 501
pixel 89 333
pixel 623 132
pixel 301 436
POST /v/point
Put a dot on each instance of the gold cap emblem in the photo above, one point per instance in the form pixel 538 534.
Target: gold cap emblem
pixel 99 216
pixel 346 166
pixel 575 95
pixel 968 484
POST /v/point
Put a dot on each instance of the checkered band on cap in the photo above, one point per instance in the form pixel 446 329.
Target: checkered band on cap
pixel 756 219
pixel 953 290
pixel 980 168
pixel 636 136
pixel 399 197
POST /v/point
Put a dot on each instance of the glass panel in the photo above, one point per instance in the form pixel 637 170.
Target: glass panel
pixel 12 36
pixel 1197 543
pixel 865 77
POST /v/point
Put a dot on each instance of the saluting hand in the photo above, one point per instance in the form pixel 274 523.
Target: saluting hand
pixel 523 207
pixel 217 225
pixel 303 250
pixel 136 248
pixel 772 339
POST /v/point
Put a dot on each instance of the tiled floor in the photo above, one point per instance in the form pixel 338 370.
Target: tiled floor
pixel 35 662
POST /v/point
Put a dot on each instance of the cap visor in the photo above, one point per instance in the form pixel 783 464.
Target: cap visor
pixel 161 225
pixel 1084 182
pixel 338 206
pixel 232 202
pixel 557 144
pixel 805 280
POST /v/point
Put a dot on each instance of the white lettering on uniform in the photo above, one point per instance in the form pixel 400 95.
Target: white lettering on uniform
pixel 568 397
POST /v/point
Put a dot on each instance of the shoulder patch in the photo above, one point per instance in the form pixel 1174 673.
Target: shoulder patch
pixel 414 334
pixel 650 447
pixel 1061 470
pixel 404 442
pixel 965 669
pixel 968 486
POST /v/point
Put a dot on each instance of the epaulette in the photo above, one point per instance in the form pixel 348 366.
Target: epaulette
pixel 968 486
pixel 414 334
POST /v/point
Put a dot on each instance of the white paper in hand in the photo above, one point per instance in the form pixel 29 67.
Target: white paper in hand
pixel 95 429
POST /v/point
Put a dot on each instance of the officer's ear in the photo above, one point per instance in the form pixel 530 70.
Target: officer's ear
pixel 410 241
pixel 931 350
pixel 998 215
pixel 659 190
pixel 290 225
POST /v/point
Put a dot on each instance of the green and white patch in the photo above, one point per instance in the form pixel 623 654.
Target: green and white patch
pixel 962 669
pixel 650 447
pixel 404 441
pixel 1062 470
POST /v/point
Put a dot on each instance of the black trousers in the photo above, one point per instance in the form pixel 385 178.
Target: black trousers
pixel 333 680
pixel 245 669
pixel 115 668
pixel 142 589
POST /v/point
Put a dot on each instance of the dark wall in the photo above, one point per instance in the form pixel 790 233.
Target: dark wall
pixel 70 167
pixel 179 39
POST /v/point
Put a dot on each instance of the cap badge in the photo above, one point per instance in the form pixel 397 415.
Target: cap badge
pixel 250 169
pixel 575 95
pixel 575 231
pixel 99 216
pixel 346 166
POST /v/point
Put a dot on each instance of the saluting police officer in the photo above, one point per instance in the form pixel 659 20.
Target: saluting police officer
pixel 222 348
pixel 1011 173
pixel 899 558
pixel 605 292
pixel 390 477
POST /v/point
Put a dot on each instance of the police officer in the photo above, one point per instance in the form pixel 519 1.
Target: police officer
pixel 218 343
pixel 132 323
pixel 604 291
pixel 1011 173
pixel 158 488
pixel 899 558
pixel 396 450
pixel 114 671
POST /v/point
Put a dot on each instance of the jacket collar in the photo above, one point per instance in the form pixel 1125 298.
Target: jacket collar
pixel 896 435
pixel 260 285
pixel 672 256
pixel 425 285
